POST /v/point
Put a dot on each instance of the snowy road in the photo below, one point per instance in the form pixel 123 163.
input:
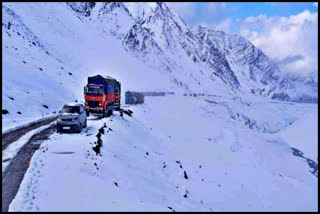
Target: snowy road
pixel 14 135
pixel 14 173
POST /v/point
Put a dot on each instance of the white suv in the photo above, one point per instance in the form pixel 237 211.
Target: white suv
pixel 72 117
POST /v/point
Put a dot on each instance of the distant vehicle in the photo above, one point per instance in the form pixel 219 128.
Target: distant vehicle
pixel 72 117
pixel 152 93
pixel 134 97
pixel 102 95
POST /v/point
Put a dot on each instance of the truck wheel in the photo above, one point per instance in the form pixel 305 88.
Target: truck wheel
pixel 104 112
pixel 110 113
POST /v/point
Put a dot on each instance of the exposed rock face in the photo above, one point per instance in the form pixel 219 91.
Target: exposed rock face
pixel 83 8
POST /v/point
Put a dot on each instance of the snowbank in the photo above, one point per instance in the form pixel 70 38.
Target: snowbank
pixel 303 135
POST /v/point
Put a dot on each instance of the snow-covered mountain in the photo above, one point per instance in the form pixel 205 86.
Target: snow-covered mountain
pixel 234 142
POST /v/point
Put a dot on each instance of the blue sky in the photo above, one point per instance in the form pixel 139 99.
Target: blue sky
pixel 269 9
pixel 282 30
pixel 212 13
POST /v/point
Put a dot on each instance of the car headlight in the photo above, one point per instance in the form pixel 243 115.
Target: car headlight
pixel 74 119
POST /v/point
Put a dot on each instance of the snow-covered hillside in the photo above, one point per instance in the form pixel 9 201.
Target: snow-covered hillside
pixel 234 137
pixel 48 56
pixel 143 158
pixel 301 135
pixel 50 49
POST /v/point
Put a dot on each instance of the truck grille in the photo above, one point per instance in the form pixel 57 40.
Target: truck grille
pixel 93 104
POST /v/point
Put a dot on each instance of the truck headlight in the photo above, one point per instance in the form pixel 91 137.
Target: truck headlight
pixel 100 104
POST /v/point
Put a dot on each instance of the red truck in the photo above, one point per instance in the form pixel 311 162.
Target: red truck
pixel 102 95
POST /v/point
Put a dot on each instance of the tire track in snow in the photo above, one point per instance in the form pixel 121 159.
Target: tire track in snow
pixel 11 151
pixel 14 135
pixel 14 173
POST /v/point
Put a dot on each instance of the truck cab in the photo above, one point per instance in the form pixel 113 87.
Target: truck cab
pixel 94 98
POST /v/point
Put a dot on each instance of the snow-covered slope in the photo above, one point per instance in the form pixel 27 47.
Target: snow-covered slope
pixel 233 142
pixel 301 135
pixel 143 159
pixel 47 57
pixel 50 49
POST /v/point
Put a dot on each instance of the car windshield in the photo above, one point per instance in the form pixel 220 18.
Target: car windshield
pixel 94 90
pixel 71 109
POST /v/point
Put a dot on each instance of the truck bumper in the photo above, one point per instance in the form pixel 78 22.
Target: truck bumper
pixel 94 110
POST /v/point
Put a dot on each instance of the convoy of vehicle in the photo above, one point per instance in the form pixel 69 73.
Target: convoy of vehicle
pixel 102 95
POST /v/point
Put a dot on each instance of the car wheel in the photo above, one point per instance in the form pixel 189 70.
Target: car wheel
pixel 58 129
pixel 79 128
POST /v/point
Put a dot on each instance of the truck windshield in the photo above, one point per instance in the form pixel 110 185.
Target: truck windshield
pixel 94 90
pixel 71 109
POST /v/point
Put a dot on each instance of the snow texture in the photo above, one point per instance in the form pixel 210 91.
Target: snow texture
pixel 227 147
